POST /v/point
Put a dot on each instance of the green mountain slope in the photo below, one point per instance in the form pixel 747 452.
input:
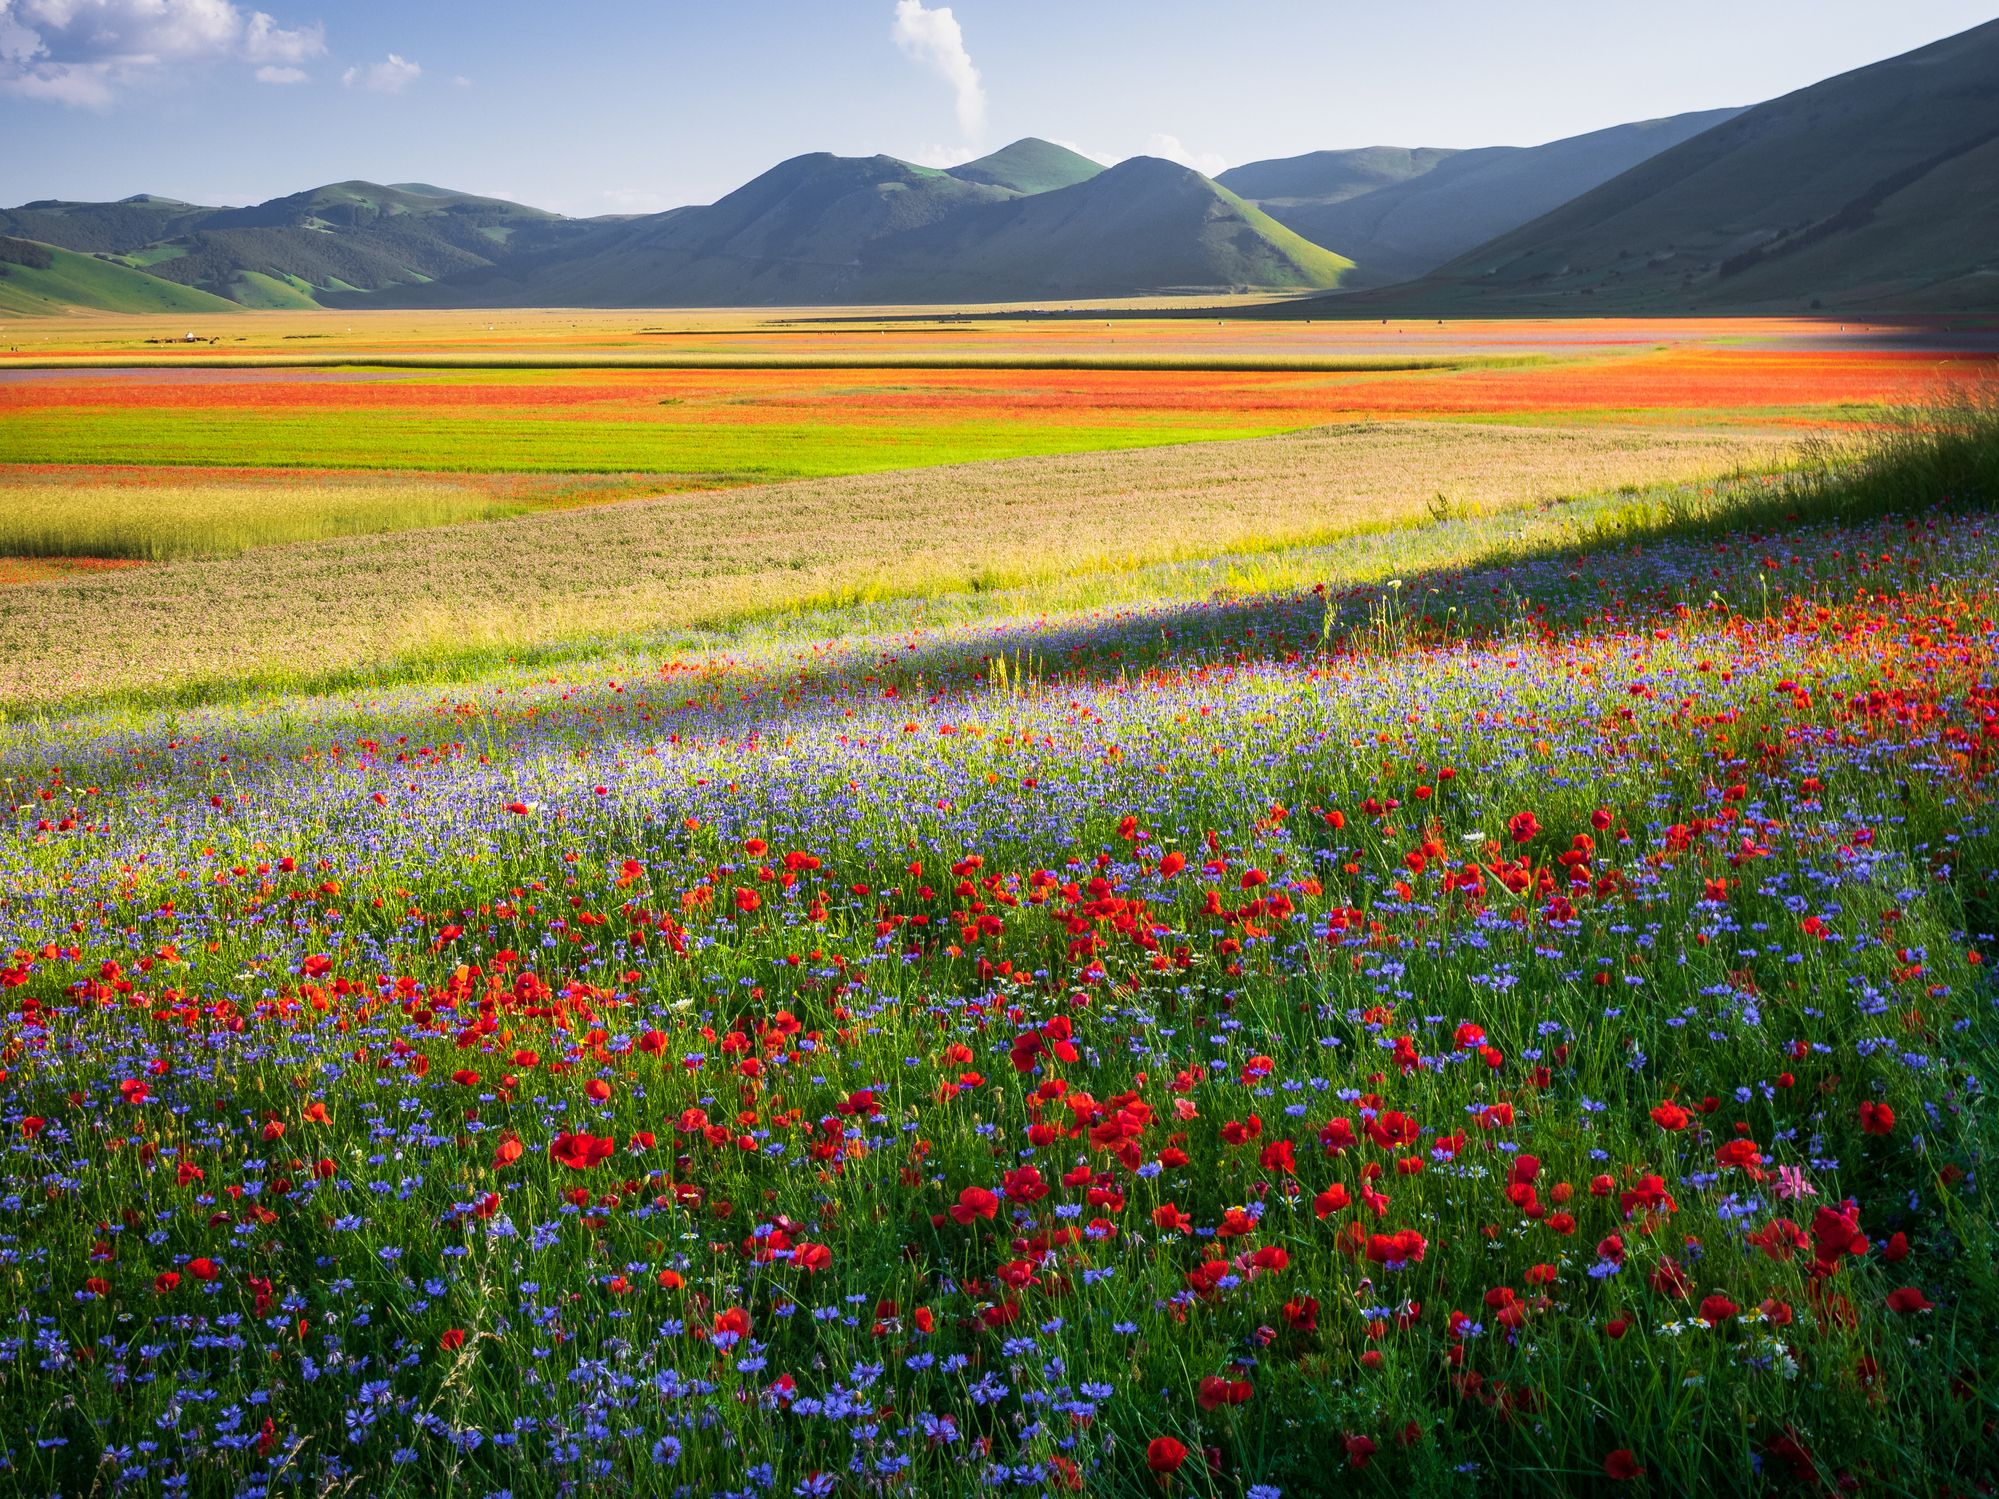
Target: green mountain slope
pixel 1329 176
pixel 361 235
pixel 37 279
pixel 348 235
pixel 1874 189
pixel 1029 166
pixel 1142 225
pixel 1447 203
pixel 121 228
pixel 830 229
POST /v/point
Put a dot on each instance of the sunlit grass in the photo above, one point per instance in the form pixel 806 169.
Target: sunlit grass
pixel 158 515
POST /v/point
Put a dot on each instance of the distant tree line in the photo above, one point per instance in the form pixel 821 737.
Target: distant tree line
pixel 24 252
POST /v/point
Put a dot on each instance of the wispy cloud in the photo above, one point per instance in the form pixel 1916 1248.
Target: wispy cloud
pixel 943 156
pixel 392 75
pixel 1207 163
pixel 934 40
pixel 1103 158
pixel 86 52
pixel 270 74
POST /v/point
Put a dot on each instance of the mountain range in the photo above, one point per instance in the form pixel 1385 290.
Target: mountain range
pixel 1401 213
pixel 1877 189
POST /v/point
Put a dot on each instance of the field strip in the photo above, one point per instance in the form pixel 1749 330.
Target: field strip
pixel 316 611
pixel 126 359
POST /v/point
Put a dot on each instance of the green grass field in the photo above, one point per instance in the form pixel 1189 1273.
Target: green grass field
pixel 83 280
pixel 377 440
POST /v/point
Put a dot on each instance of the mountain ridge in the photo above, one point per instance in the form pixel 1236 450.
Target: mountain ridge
pixel 1875 189
pixel 1448 202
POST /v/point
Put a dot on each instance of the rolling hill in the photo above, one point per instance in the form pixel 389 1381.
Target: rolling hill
pixel 1399 213
pixel 831 229
pixel 1029 166
pixel 38 278
pixel 348 236
pixel 1877 189
pixel 1320 177
pixel 1144 224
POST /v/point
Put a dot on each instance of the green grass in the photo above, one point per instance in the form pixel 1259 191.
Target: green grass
pixel 256 289
pixel 84 281
pixel 456 442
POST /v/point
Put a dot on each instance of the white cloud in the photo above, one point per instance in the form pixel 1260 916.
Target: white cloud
pixel 269 74
pixel 86 52
pixel 1207 163
pixel 943 156
pixel 1102 158
pixel 265 41
pixel 934 40
pixel 390 76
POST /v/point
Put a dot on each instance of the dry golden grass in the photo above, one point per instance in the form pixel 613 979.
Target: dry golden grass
pixel 168 514
pixel 319 610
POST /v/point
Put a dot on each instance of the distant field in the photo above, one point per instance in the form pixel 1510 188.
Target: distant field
pixel 118 440
pixel 662 431
pixel 1190 331
pixel 391 605
pixel 155 514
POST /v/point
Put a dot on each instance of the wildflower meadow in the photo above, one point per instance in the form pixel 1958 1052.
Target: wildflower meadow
pixel 1522 1027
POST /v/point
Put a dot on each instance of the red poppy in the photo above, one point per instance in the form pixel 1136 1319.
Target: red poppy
pixel 1622 1465
pixel 1163 1455
pixel 1670 1116
pixel 452 1340
pixel 974 1202
pixel 1216 1392
pixel 1330 1201
pixel 1907 1300
pixel 1877 1118
pixel 1523 827
pixel 579 1152
pixel 1717 1309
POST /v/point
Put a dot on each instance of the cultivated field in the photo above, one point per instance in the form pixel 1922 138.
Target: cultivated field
pixel 466 595
pixel 1252 924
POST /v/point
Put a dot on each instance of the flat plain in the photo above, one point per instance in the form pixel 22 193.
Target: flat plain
pixel 918 903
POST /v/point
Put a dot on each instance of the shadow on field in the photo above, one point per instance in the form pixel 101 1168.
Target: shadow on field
pixel 1646 556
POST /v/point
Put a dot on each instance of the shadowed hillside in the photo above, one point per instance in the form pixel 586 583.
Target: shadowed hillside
pixel 832 229
pixel 1429 206
pixel 1875 189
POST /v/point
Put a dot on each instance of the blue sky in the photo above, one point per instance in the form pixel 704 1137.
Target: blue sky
pixel 597 106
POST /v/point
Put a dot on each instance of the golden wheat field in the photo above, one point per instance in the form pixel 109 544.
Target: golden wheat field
pixel 705 558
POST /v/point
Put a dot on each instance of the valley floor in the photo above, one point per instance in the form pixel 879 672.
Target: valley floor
pixel 1409 955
